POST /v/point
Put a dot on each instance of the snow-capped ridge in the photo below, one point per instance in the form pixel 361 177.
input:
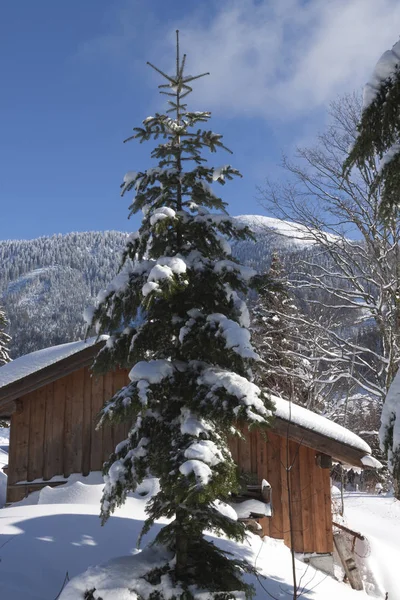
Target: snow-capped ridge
pixel 298 234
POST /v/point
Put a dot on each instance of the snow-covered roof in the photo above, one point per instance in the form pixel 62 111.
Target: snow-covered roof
pixel 298 415
pixel 36 361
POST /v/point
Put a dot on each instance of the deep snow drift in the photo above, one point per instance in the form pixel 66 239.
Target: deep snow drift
pixel 378 518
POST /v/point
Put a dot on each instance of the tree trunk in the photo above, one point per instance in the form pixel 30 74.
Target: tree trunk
pixel 182 543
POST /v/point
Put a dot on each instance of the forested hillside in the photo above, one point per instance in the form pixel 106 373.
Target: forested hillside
pixel 46 283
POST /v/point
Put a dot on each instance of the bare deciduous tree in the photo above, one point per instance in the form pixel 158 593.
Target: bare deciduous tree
pixel 349 278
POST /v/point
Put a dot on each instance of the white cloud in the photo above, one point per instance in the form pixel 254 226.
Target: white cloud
pixel 288 57
pixel 275 58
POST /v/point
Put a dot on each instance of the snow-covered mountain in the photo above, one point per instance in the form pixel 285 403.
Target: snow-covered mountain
pixel 46 283
pixel 292 234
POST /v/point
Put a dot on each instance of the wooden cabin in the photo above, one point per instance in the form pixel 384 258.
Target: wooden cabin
pixel 52 400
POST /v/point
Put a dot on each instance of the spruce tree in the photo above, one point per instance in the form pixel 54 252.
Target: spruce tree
pixel 379 131
pixel 276 338
pixel 177 320
pixel 4 339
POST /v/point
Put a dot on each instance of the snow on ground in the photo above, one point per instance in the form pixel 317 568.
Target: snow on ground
pixel 57 530
pixel 4 442
pixel 378 518
pixel 3 477
pixel 61 532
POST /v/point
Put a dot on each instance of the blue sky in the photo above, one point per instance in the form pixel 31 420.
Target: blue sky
pixel 74 82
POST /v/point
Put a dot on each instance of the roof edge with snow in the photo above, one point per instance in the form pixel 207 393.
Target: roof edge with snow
pixel 32 371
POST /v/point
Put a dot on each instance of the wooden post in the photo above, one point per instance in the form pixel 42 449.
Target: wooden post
pixel 36 434
pixel 87 422
pixel 306 466
pixel 273 449
pixel 96 462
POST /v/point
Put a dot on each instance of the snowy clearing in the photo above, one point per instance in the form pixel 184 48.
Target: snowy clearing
pixel 378 518
pixel 61 532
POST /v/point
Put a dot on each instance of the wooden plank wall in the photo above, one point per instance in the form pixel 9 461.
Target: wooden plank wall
pixel 53 431
pixel 268 456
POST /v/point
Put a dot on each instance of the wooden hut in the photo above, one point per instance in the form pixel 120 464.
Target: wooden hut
pixel 52 400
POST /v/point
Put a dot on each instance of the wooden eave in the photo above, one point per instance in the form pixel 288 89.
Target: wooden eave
pixel 17 389
pixel 339 451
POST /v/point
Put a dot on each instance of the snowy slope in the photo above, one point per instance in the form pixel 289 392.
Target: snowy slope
pixel 40 543
pixel 58 531
pixel 19 284
pixel 378 518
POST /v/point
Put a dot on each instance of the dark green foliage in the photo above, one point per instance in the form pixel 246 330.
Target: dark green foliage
pixel 210 564
pixel 379 133
pixel 177 319
pixel 89 595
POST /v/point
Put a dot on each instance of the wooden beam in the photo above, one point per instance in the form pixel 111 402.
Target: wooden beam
pixel 8 409
pixel 87 423
pixel 347 530
pixel 36 434
pixel 273 468
pixel 306 465
pixel 296 500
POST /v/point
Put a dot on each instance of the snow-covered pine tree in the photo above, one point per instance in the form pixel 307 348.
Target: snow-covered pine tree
pixel 177 320
pixel 379 130
pixel 276 337
pixel 4 339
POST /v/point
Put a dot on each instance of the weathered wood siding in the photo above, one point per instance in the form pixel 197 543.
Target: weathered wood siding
pixel 268 456
pixel 53 430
